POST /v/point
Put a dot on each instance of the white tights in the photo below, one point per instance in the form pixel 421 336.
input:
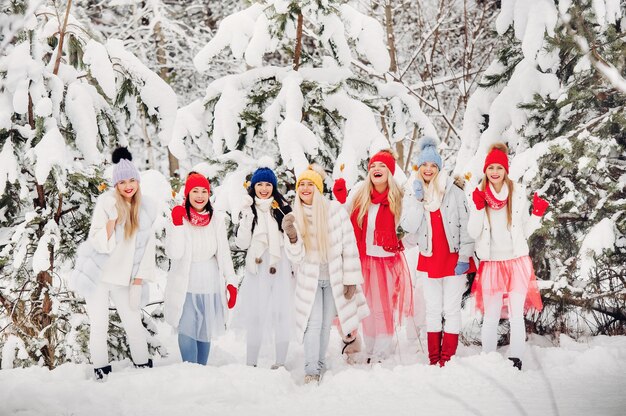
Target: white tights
pixel 493 308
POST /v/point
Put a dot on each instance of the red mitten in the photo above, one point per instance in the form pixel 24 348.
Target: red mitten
pixel 178 213
pixel 232 296
pixel 479 198
pixel 340 191
pixel 540 205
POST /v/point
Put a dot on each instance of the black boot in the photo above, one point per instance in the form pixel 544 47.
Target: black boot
pixel 102 372
pixel 146 365
pixel 517 363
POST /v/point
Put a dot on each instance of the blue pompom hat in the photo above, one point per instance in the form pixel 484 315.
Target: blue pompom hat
pixel 428 152
pixel 264 175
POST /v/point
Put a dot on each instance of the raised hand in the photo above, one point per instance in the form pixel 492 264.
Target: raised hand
pixel 540 205
pixel 340 191
pixel 479 198
pixel 289 227
pixel 418 189
pixel 178 213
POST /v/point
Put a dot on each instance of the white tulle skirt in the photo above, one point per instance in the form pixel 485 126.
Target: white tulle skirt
pixel 203 312
pixel 264 307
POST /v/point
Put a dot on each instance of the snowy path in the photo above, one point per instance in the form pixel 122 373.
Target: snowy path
pixel 575 379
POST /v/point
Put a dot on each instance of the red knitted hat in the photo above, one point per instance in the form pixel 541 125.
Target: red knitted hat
pixel 497 156
pixel 385 157
pixel 195 179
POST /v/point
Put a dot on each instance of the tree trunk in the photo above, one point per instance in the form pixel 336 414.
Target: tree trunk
pixel 298 50
pixel 161 56
pixel 391 39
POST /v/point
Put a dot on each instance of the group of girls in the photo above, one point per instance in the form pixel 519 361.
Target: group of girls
pixel 321 260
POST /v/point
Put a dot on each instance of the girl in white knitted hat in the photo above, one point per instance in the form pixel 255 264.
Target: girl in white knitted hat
pixel 118 256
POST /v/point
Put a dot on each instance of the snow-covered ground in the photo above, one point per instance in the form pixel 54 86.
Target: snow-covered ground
pixel 576 378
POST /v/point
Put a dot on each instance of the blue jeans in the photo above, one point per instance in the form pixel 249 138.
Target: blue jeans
pixel 193 351
pixel 317 331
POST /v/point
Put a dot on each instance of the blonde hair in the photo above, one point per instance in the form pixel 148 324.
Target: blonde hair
pixel 509 183
pixel 319 218
pixel 128 213
pixel 363 199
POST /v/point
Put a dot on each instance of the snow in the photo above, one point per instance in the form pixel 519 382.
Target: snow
pixel 101 68
pixel 260 43
pixel 613 11
pixel 159 98
pixel 234 31
pixel 506 119
pixel 333 38
pixel 566 380
pixel 401 98
pixel 49 152
pixel 531 19
pixel 8 165
pixel 188 124
pixel 369 35
pixel 295 140
pixel 41 257
pixel 600 237
pixel 361 135
pixel 13 348
pixel 80 111
pixel 226 118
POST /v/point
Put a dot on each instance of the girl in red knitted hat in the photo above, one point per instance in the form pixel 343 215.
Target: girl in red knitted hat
pixel 201 282
pixel 500 223
pixel 375 213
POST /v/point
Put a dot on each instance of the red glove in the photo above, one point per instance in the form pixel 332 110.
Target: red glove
pixel 479 198
pixel 340 191
pixel 178 213
pixel 232 296
pixel 540 205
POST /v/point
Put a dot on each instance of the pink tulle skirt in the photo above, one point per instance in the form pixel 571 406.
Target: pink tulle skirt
pixel 387 288
pixel 515 275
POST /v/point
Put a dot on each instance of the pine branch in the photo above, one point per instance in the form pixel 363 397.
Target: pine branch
pixel 57 61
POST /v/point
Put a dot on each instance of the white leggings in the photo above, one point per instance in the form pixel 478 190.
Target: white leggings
pixel 443 300
pixel 493 309
pixel 97 304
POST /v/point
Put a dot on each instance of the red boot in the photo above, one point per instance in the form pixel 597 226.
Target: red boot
pixel 434 347
pixel 448 347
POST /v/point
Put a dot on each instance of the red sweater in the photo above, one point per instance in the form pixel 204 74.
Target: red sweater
pixel 442 262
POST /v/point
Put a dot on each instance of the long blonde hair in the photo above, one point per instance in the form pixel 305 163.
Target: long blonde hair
pixel 509 183
pixel 319 218
pixel 128 213
pixel 363 199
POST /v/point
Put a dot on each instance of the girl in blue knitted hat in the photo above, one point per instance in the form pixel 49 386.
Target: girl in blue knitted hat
pixel 438 225
pixel 266 294
pixel 117 257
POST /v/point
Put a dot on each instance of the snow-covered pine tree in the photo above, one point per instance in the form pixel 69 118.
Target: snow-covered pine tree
pixel 556 96
pixel 165 35
pixel 65 101
pixel 313 90
pixel 441 48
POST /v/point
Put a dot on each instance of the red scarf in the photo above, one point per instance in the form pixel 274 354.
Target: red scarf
pixel 492 201
pixel 199 219
pixel 384 227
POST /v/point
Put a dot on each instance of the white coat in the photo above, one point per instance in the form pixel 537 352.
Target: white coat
pixel 522 226
pixel 178 248
pixel 344 267
pixel 115 260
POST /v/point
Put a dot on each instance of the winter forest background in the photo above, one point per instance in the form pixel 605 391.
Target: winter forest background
pixel 215 85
